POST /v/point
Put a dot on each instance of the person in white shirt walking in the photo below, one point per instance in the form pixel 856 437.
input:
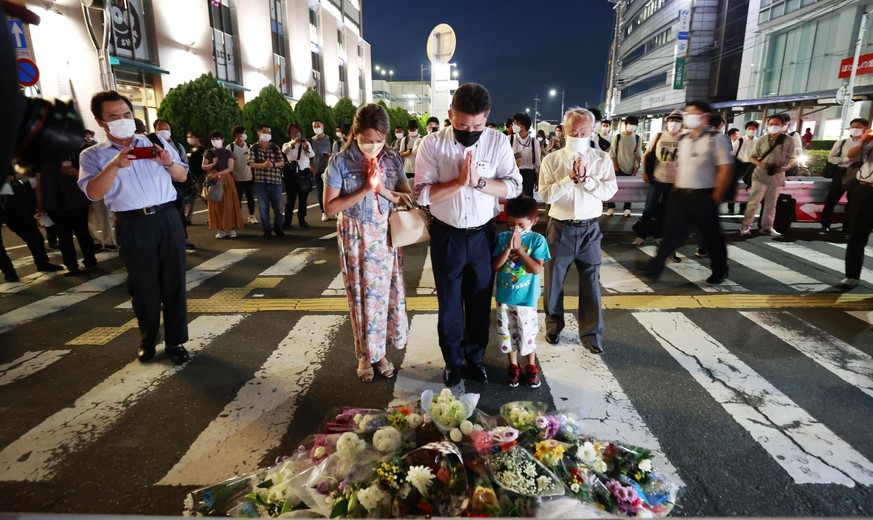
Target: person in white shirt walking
pixel 575 181
pixel 460 172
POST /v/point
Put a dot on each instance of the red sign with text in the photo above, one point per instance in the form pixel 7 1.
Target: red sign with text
pixel 865 66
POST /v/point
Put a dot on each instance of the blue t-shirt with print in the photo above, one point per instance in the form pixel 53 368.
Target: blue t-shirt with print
pixel 515 286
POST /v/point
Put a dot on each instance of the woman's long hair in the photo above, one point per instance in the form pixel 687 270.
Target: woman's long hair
pixel 369 116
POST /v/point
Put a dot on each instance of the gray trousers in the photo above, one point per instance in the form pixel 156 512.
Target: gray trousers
pixel 577 244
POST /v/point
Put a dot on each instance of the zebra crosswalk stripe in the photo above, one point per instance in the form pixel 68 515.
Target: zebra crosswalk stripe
pixel 811 255
pixel 616 278
pixel 35 456
pixel 423 364
pixel 805 448
pixel 254 422
pixel 696 273
pixel 776 271
pixel 28 364
pixel 293 262
pixel 838 357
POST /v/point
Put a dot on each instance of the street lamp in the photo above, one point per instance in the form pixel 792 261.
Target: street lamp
pixel 455 73
pixel 536 112
pixel 391 73
pixel 377 68
pixel 553 93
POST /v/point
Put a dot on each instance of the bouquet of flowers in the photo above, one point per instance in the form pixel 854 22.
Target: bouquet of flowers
pixel 522 415
pixel 517 471
pixel 435 483
pixel 446 410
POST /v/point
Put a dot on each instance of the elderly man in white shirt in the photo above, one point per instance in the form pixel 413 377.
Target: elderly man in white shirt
pixel 576 181
pixel 460 172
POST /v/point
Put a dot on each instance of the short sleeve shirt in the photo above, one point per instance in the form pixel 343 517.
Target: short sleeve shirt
pixel 223 156
pixel 699 159
pixel 347 172
pixel 666 153
pixel 516 286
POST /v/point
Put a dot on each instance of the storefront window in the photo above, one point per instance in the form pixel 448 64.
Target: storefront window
pixel 221 21
pixel 140 89
pixel 131 30
pixel 280 46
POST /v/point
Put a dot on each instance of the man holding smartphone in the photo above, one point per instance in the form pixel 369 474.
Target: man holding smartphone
pixel 150 235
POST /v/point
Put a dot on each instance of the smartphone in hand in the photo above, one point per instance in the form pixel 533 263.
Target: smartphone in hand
pixel 148 152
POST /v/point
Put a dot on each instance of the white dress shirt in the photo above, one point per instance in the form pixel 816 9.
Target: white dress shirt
pixel 306 154
pixel 572 201
pixel 747 144
pixel 440 158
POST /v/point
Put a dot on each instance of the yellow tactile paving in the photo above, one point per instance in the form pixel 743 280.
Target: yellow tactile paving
pixel 102 335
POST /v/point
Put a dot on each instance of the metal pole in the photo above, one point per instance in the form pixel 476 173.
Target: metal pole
pixel 562 104
pixel 850 92
pixel 536 105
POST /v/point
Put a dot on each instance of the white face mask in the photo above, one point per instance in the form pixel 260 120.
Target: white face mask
pixel 266 137
pixel 191 141
pixel 413 133
pixel 578 144
pixel 604 130
pixel 244 137
pixel 122 128
pixel 318 130
pixel 540 139
pixel 516 129
pixel 398 135
pixel 371 150
pixel 674 127
pixel 856 132
pixel 750 133
pixel 630 128
pixel 691 121
pixel 164 134
pixel 339 135
pixel 216 143
pixel 774 129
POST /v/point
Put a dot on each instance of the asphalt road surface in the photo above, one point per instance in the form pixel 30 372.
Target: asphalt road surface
pixel 757 394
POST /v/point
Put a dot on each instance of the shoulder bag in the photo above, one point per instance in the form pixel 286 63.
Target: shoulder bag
pixel 830 169
pixel 850 181
pixel 650 160
pixel 410 225
pixel 747 177
pixel 213 191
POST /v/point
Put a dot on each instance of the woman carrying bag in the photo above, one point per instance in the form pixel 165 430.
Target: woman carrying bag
pixel 363 181
pixel 218 165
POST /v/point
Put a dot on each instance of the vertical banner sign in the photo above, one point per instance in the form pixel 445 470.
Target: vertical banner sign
pixel 681 49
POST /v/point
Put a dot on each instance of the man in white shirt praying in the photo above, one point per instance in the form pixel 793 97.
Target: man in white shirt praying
pixel 461 171
pixel 576 180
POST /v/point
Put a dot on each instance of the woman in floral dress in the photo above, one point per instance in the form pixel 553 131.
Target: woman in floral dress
pixel 362 183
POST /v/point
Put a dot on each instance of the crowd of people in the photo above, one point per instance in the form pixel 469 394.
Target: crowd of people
pixel 461 171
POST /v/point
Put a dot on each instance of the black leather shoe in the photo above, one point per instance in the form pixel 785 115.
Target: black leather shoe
pixel 278 233
pixel 145 353
pixel 11 277
pixel 177 354
pixel 716 279
pixel 477 372
pixel 552 339
pixel 452 376
pixel 595 349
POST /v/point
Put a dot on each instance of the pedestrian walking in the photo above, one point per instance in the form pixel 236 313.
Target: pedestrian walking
pixel 772 156
pixel 661 154
pixel 266 161
pixel 242 172
pixel 362 183
pixel 839 157
pixel 576 181
pixel 461 172
pixel 151 239
pixel 224 214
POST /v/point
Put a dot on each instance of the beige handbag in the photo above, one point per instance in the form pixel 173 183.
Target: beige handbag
pixel 408 223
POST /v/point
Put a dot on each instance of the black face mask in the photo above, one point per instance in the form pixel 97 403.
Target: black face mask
pixel 467 139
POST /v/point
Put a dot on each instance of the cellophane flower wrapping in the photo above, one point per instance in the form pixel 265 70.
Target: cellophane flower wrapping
pixel 435 483
pixel 446 410
pixel 518 471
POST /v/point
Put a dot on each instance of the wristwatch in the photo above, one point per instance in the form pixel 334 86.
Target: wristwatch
pixel 481 184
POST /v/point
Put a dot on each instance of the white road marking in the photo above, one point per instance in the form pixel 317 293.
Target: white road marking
pixel 616 278
pixel 868 251
pixel 236 441
pixel 843 360
pixel 206 270
pixel 426 284
pixel 862 315
pixel 423 363
pixel 328 237
pixel 39 277
pixel 696 273
pixel 825 260
pixel 293 262
pixel 28 364
pixel 36 455
pixel 797 281
pixel 806 449
pixel 606 411
pixel 337 286
pixel 60 301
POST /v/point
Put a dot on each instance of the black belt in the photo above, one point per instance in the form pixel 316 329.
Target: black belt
pixel 149 210
pixel 465 231
pixel 578 223
pixel 693 190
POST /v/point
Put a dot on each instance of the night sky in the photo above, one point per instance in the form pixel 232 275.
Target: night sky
pixel 518 50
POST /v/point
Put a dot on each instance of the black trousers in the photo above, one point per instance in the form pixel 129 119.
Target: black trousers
pixel 464 283
pixel 152 248
pixel 294 196
pixel 835 191
pixel 19 218
pixel 249 188
pixel 860 224
pixel 69 222
pixel 528 181
pixel 686 209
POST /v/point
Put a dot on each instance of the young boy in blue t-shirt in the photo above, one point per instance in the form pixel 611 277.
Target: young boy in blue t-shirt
pixel 518 260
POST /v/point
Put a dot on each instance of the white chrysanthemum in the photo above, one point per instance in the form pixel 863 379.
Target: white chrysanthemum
pixel 543 483
pixel 587 453
pixel 413 420
pixel 372 497
pixel 466 427
pixel 420 477
pixel 456 435
pixel 426 418
pixel 387 440
pixel 349 445
pixel 478 428
pixel 646 465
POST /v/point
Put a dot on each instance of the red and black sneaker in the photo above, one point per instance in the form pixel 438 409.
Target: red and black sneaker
pixel 513 373
pixel 531 376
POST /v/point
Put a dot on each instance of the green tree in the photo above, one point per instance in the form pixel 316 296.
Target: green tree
pixel 201 105
pixel 344 112
pixel 269 107
pixel 398 116
pixel 310 107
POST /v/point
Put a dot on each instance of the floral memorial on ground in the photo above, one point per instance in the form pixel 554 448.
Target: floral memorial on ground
pixel 445 457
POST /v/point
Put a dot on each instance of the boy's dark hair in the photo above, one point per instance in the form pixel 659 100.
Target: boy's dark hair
pixel 606 122
pixel 194 134
pixel 491 124
pixel 784 117
pixel 261 126
pixel 158 121
pixel 471 98
pixel 523 119
pixel 318 121
pixel 596 111
pixel 89 131
pixel 753 124
pixel 237 130
pixel 715 120
pixel 346 128
pixel 398 128
pixel 733 131
pixel 103 97
pixel 701 105
pixel 522 207
pixel 140 125
pixel 861 120
pixel 215 134
pixel 631 120
pixel 412 124
pixel 433 119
